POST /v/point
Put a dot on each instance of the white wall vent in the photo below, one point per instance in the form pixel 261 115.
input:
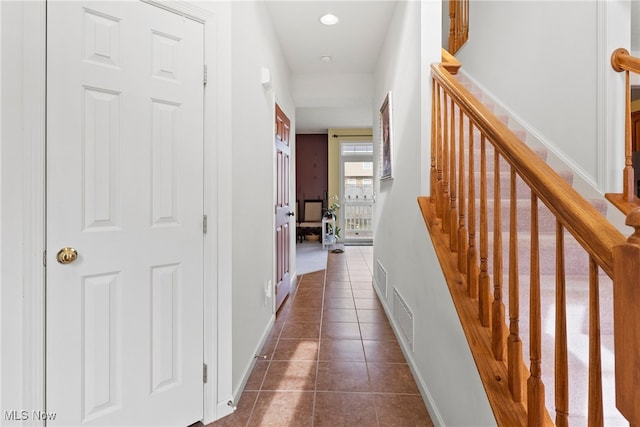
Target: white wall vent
pixel 380 277
pixel 403 316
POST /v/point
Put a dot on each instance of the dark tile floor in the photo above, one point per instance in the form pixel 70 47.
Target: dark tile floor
pixel 332 358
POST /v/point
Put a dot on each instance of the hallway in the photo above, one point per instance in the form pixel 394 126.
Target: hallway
pixel 332 358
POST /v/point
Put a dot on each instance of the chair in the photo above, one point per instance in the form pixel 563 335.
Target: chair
pixel 312 215
pixel 298 229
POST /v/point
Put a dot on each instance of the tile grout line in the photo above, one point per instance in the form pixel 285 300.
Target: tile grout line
pixel 270 358
pixel 315 386
pixel 366 359
pixel 369 393
pixel 279 337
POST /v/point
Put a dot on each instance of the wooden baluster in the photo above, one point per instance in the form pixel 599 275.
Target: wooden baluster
pixel 626 321
pixel 452 26
pixel 434 145
pixel 628 179
pixel 596 417
pixel 514 347
pixel 439 156
pixel 460 24
pixel 498 332
pixel 561 354
pixel 446 214
pixel 535 386
pixel 453 211
pixel 462 229
pixel 465 20
pixel 484 303
pixel 457 27
pixel 458 4
pixel 461 37
pixel 472 252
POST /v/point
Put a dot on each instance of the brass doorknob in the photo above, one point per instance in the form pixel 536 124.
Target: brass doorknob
pixel 67 255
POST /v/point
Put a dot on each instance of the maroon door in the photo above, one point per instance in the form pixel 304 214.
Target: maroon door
pixel 283 208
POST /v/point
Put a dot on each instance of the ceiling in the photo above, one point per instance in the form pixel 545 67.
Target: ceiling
pixel 338 93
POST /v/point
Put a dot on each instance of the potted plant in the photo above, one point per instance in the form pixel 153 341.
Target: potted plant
pixel 332 210
pixel 332 213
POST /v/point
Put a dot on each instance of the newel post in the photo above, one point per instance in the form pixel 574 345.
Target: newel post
pixel 628 187
pixel 626 315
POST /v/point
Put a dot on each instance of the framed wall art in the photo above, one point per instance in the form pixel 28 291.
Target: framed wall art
pixel 386 139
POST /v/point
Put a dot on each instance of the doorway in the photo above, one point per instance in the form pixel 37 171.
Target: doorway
pixel 356 192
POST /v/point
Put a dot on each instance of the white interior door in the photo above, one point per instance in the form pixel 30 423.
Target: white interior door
pixel 125 190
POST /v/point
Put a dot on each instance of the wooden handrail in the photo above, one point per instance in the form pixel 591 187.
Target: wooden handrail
pixel 594 233
pixel 621 60
pixel 449 62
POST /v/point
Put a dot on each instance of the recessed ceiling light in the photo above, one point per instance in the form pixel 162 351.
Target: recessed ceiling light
pixel 329 19
pixel 326 59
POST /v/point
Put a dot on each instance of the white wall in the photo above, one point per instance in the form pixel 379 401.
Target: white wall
pixel 254 45
pixel 315 119
pixel 446 24
pixel 635 27
pixel 331 90
pixel 1 181
pixel 548 62
pixel 441 358
pixel 317 104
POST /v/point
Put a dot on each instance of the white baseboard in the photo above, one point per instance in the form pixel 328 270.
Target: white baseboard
pixel 252 362
pixel 435 415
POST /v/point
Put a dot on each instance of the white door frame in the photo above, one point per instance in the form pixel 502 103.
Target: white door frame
pixel 23 215
pixel 355 158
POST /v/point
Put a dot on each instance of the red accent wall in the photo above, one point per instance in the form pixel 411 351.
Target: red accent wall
pixel 312 163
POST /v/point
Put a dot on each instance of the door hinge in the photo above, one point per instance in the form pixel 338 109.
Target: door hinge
pixel 204 76
pixel 44 258
pixel 204 224
pixel 204 373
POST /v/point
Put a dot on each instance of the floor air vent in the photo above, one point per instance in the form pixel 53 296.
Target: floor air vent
pixel 381 278
pixel 403 316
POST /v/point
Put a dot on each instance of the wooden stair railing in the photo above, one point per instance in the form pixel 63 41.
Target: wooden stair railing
pixel 621 61
pixel 515 389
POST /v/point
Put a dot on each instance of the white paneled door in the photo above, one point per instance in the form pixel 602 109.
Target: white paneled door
pixel 125 192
